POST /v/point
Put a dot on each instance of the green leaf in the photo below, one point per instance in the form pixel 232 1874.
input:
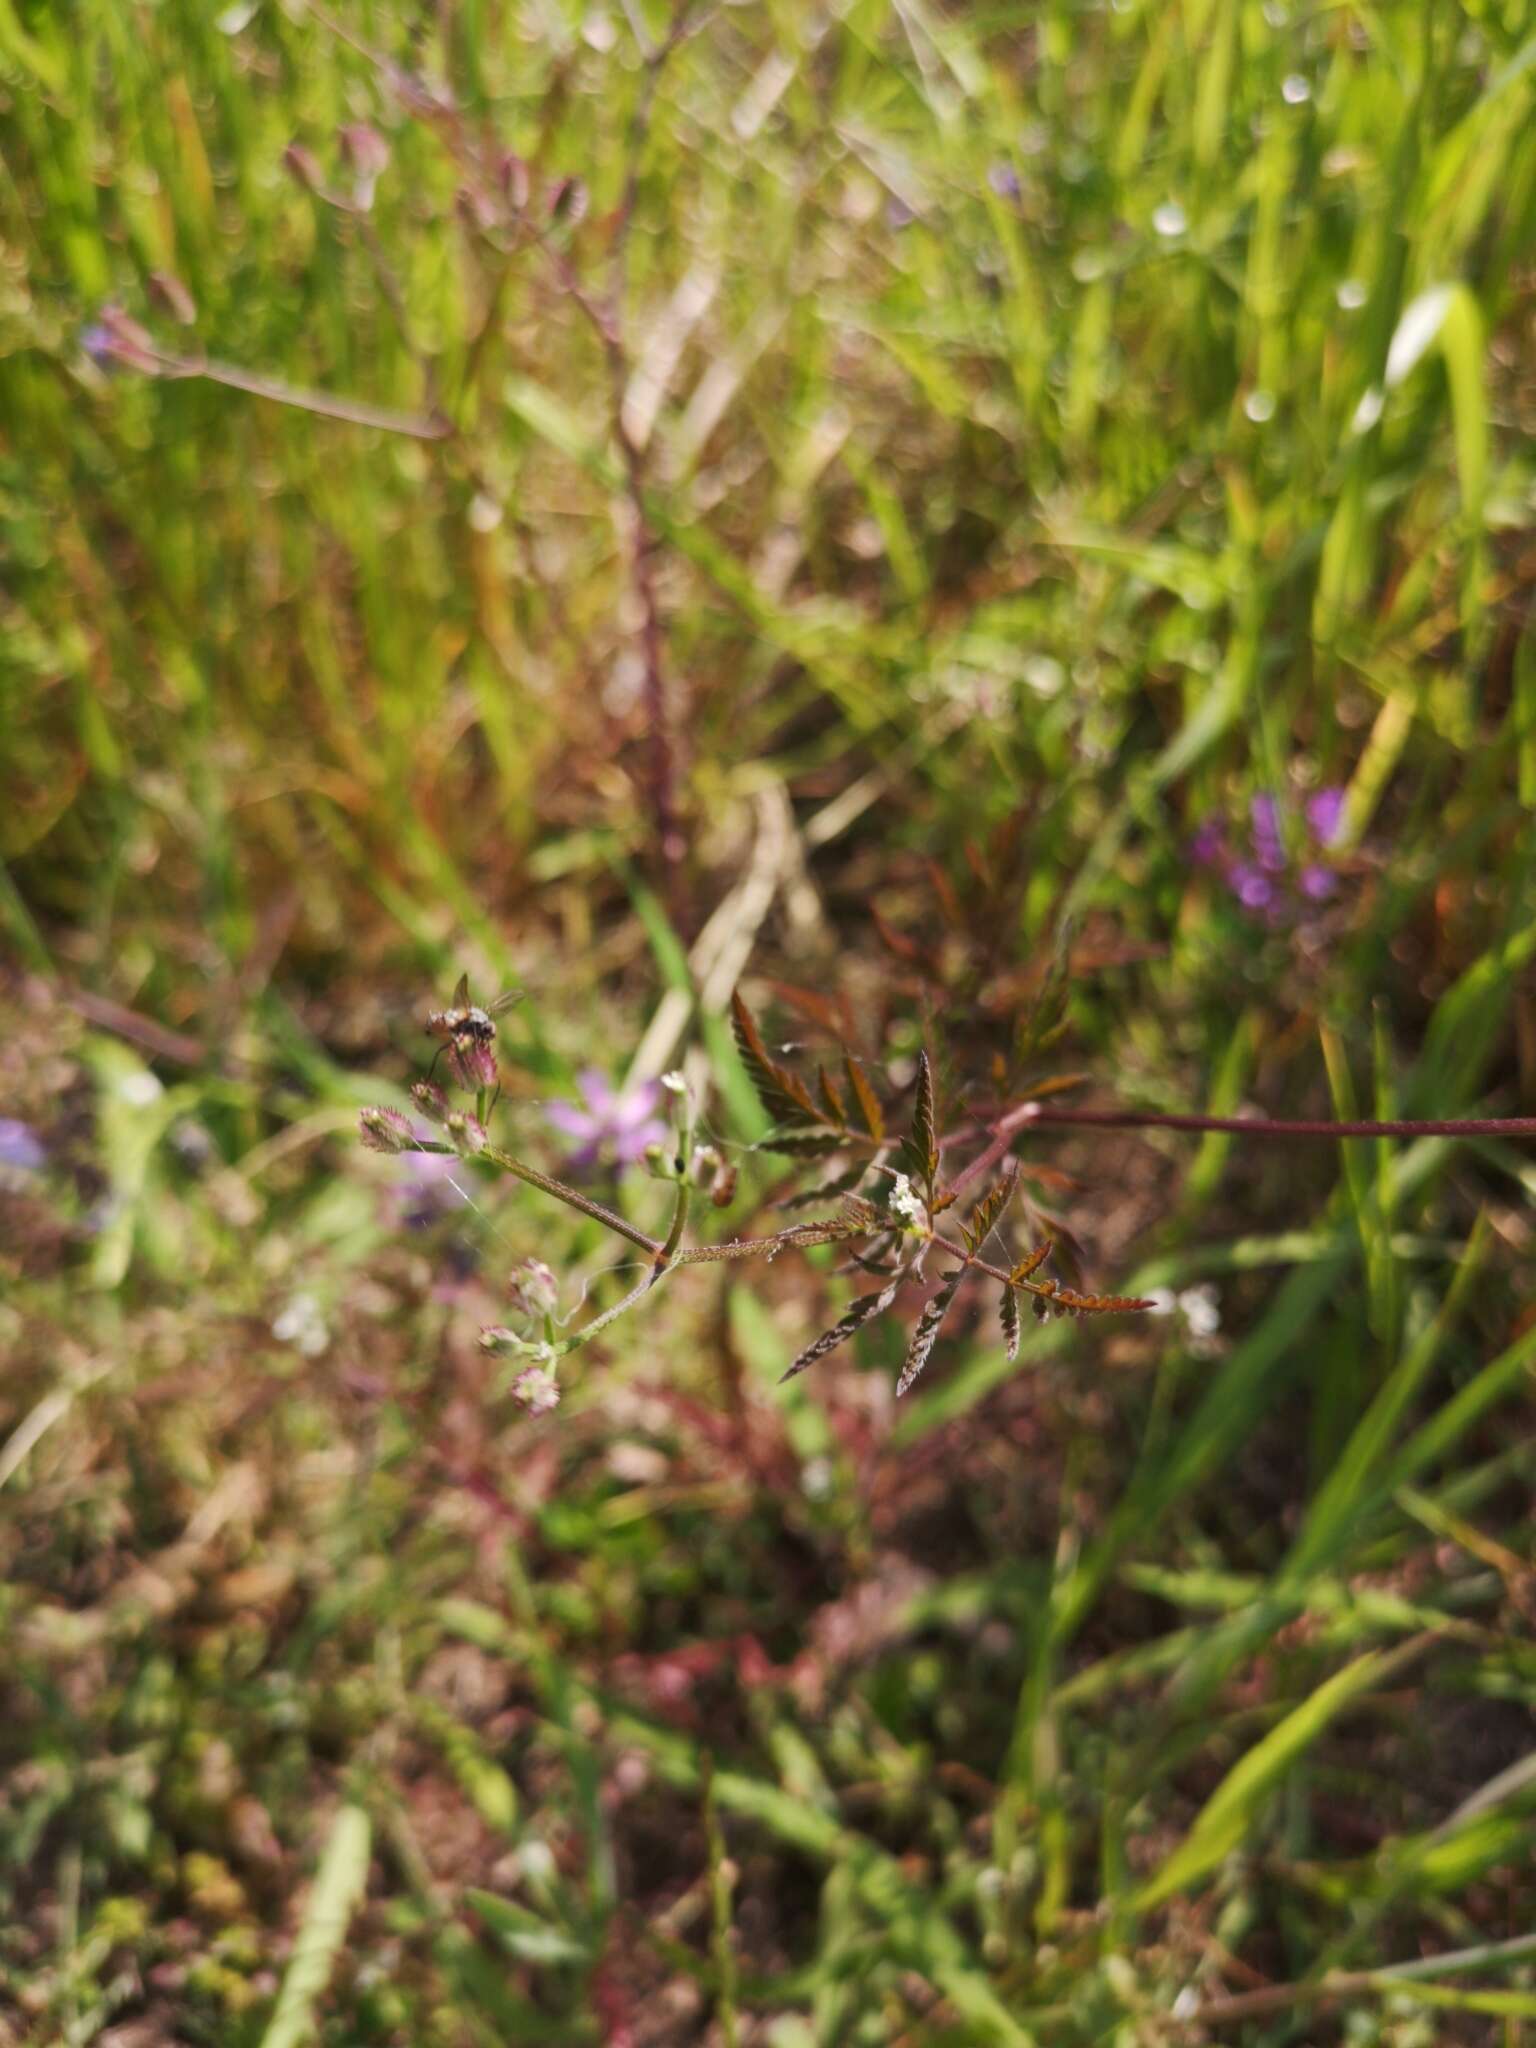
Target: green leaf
pixel 338 1888
pixel 1235 1805
pixel 524 1933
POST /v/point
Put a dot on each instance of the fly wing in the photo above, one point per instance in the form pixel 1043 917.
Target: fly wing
pixel 461 993
pixel 504 1002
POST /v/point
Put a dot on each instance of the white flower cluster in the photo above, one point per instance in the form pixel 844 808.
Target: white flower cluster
pixel 1200 1311
pixel 906 1201
pixel 302 1325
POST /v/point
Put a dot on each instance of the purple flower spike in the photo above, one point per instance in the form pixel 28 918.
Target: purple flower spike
pixel 1250 885
pixel 1273 878
pixel 1208 844
pixel 608 1127
pixel 20 1147
pixel 1325 815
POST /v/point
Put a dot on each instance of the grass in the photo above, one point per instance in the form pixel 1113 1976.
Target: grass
pixel 1042 432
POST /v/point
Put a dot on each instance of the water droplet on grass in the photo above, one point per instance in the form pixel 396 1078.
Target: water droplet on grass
pixel 1170 219
pixel 1295 90
pixel 1259 406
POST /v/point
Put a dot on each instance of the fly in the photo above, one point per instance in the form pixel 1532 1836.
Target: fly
pixel 467 1032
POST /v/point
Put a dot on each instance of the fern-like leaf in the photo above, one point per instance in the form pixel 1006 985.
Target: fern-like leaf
pixel 862 1311
pixel 919 1149
pixel 986 1212
pixel 835 1108
pixel 804 1144
pixel 782 1093
pixel 865 1097
pixel 1032 1264
pixel 929 1323
pixel 1008 1316
pixel 1100 1304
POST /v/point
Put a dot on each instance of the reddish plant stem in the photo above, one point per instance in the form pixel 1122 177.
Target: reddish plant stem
pixel 1272 1127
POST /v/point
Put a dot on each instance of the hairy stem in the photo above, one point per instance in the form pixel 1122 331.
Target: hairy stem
pixel 1274 1127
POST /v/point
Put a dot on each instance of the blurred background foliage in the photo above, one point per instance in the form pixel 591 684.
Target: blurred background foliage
pixel 1041 432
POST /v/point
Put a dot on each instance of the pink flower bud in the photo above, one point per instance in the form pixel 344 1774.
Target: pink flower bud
pixel 512 173
pixel 367 153
pixel 466 1133
pixel 386 1130
pixel 305 166
pixel 537 1390
pixel 474 1065
pixel 431 1101
pixel 533 1288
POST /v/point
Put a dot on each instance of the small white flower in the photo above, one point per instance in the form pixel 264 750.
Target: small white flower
pixel 816 1478
pixel 303 1326
pixel 1162 1301
pixel 675 1082
pixel 905 1200
pixel 140 1089
pixel 1200 1310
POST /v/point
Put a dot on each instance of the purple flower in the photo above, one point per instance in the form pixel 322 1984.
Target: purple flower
pixel 20 1147
pixel 1209 845
pixel 1004 180
pixel 612 1129
pixel 1250 885
pixel 1325 815
pixel 113 341
pixel 1278 872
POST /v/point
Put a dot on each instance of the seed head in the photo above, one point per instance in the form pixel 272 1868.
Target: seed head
pixel 386 1130
pixel 431 1101
pixel 533 1288
pixel 466 1133
pixel 501 1342
pixel 473 1064
pixel 537 1389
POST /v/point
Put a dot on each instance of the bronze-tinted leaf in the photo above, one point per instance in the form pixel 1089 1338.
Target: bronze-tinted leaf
pixel 1043 1023
pixel 863 1310
pixel 865 1096
pixel 1008 1316
pixel 929 1323
pixel 836 1108
pixel 1058 1084
pixel 986 1212
pixel 782 1093
pixel 1100 1304
pixel 919 1149
pixel 1033 1263
pixel 803 1144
